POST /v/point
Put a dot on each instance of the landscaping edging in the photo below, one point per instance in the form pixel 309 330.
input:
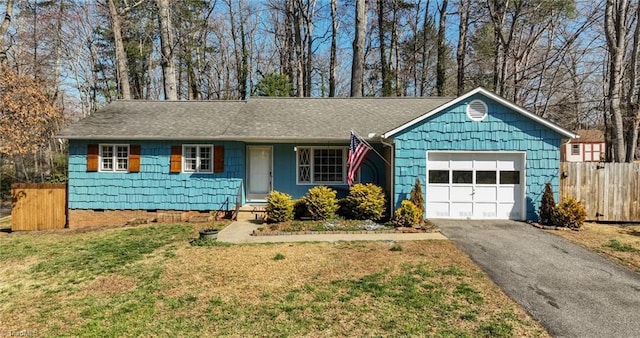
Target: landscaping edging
pixel 338 232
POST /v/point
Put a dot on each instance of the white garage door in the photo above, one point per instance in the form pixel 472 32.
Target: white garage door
pixel 475 185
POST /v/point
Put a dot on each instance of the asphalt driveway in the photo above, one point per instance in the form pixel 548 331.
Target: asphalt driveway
pixel 572 291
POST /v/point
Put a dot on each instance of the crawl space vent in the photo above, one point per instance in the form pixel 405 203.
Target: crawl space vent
pixel 477 110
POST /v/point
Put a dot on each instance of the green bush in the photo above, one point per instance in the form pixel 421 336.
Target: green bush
pixel 407 215
pixel 279 207
pixel 321 202
pixel 416 196
pixel 569 213
pixel 547 206
pixel 365 201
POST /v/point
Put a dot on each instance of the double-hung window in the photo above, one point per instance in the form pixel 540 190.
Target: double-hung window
pixel 197 158
pixel 114 157
pixel 326 165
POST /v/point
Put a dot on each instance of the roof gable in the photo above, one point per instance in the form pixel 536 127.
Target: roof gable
pixel 489 95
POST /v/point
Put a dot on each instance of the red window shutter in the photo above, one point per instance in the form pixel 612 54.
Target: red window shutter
pixel 134 158
pixel 92 157
pixel 176 159
pixel 218 159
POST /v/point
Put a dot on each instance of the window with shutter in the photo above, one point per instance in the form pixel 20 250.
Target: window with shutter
pixel 134 158
pixel 175 165
pixel 92 157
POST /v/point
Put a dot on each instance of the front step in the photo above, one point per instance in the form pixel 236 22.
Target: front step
pixel 251 213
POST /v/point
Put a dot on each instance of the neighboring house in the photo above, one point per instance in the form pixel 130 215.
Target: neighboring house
pixel 588 147
pixel 478 156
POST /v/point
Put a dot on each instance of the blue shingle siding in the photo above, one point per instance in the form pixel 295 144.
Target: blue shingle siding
pixel 154 187
pixel 502 130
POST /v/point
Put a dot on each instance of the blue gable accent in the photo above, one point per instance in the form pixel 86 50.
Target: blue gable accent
pixel 502 130
pixel 154 187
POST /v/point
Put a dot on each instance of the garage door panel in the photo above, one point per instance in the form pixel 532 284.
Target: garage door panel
pixel 508 193
pixel 486 210
pixel 509 210
pixel 461 193
pixel 486 193
pixel 438 209
pixel 485 165
pixel 462 209
pixel 438 193
pixel 461 164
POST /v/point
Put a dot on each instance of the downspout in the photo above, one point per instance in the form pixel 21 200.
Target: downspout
pixel 392 176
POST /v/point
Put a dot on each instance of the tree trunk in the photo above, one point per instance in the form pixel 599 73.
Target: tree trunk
pixel 166 44
pixel 334 39
pixel 615 32
pixel 634 94
pixel 441 70
pixel 384 65
pixel 461 53
pixel 425 35
pixel 357 67
pixel 122 69
pixel 4 27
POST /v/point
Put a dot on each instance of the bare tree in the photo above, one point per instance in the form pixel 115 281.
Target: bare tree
pixel 461 53
pixel 357 66
pixel 441 70
pixel 334 40
pixel 166 44
pixel 4 27
pixel 615 25
pixel 122 70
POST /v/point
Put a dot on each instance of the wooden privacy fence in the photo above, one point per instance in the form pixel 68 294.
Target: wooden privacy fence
pixel 38 206
pixel 609 191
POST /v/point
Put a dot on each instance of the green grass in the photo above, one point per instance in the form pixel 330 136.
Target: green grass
pixel 615 245
pixel 116 283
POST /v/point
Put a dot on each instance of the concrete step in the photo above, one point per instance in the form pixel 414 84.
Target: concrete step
pixel 251 213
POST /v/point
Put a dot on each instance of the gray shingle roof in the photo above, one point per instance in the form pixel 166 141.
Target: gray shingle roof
pixel 166 120
pixel 255 119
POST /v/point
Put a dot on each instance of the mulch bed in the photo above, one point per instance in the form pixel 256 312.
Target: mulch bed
pixel 276 230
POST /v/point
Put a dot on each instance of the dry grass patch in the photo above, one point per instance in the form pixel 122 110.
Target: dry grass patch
pixel 150 280
pixel 620 243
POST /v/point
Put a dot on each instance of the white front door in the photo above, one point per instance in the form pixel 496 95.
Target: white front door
pixel 259 172
pixel 478 185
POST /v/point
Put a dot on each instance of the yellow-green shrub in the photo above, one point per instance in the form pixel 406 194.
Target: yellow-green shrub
pixel 570 213
pixel 279 207
pixel 321 202
pixel 407 215
pixel 365 201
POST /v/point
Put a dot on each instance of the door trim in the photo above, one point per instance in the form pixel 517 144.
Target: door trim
pixel 258 197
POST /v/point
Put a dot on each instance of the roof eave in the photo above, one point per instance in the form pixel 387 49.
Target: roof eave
pixel 492 96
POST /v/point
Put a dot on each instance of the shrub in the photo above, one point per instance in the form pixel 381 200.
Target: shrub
pixel 365 201
pixel 407 215
pixel 547 206
pixel 416 196
pixel 321 202
pixel 570 213
pixel 300 209
pixel 279 207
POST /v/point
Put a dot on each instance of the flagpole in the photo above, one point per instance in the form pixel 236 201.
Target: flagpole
pixel 370 147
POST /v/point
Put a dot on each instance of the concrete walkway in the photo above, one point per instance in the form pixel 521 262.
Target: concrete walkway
pixel 240 232
pixel 572 291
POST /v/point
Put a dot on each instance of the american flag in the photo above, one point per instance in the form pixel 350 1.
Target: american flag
pixel 358 150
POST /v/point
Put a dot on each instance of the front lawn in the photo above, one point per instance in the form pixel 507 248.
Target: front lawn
pixel 150 281
pixel 618 243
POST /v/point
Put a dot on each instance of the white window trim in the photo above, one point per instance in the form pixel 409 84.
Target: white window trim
pixel 114 158
pixel 197 170
pixel 345 155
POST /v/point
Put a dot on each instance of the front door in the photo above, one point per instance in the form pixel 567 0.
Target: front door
pixel 259 172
